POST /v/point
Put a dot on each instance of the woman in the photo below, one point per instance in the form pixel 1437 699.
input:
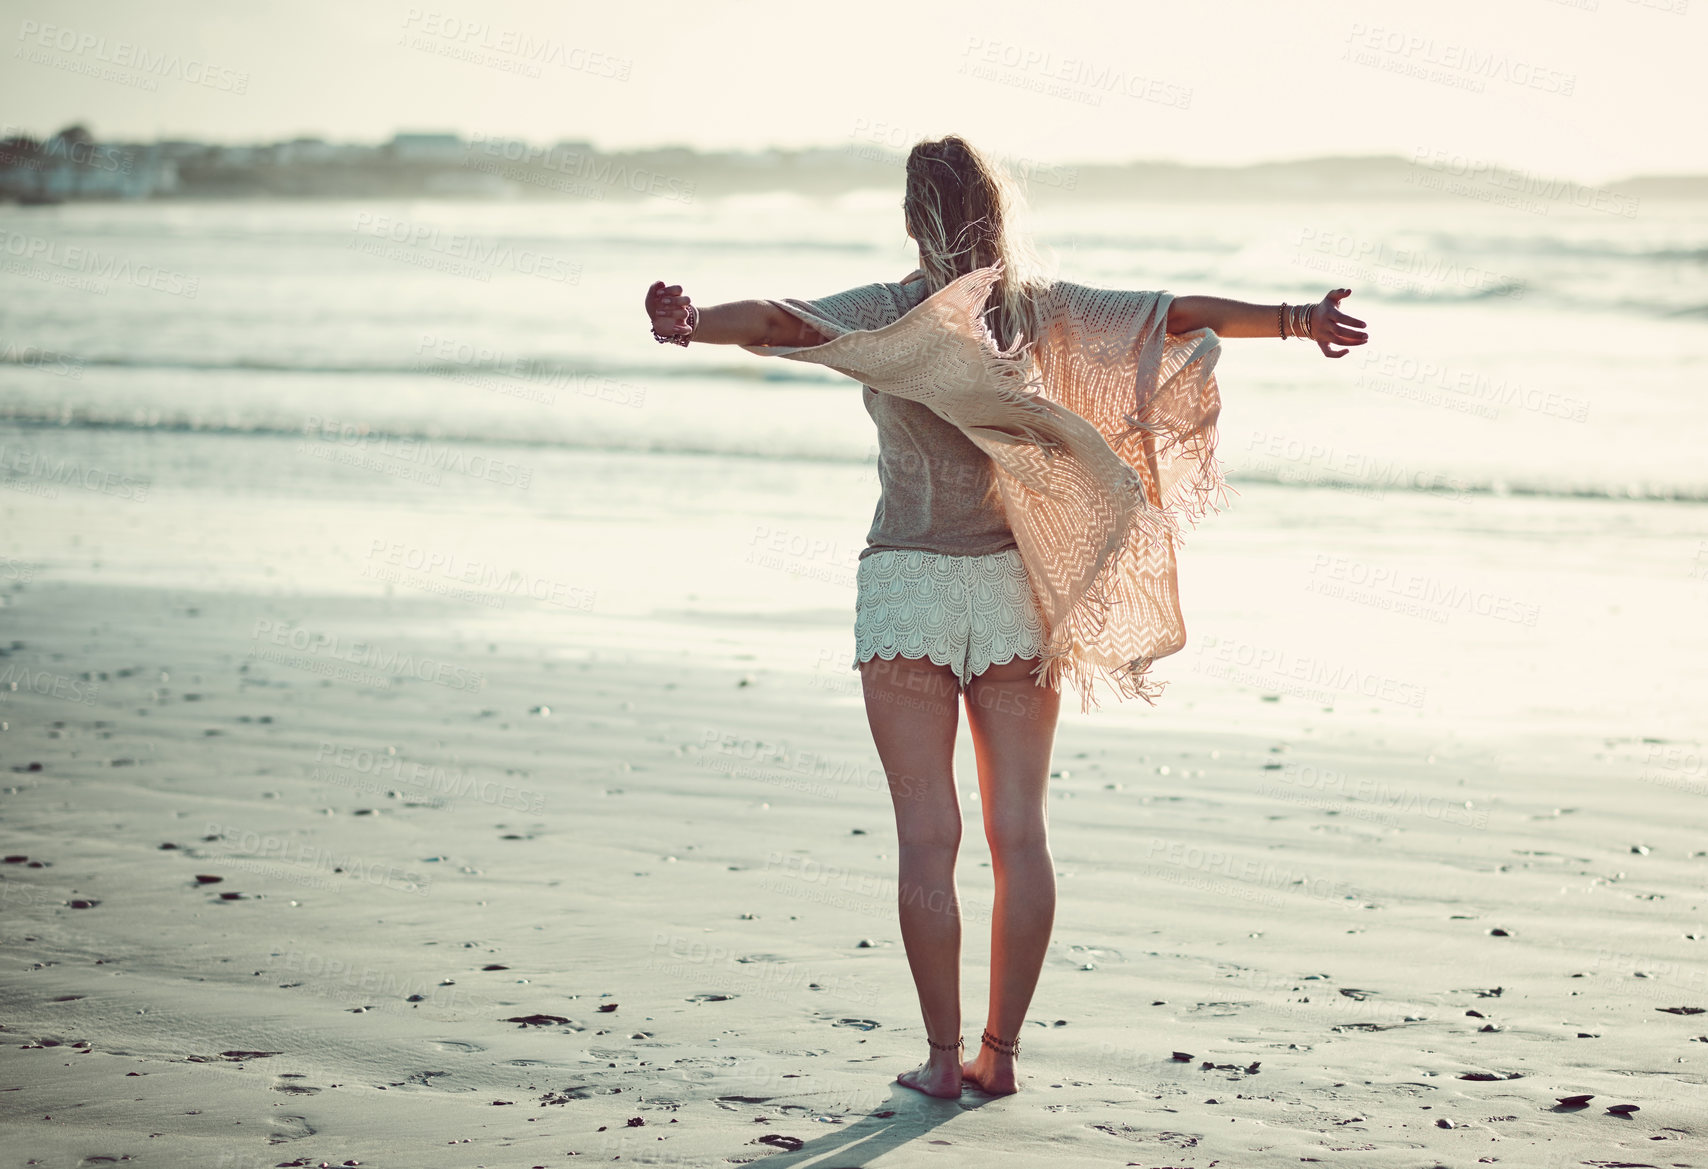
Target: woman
pixel 958 594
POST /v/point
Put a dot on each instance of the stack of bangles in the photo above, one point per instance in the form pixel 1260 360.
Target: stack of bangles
pixel 680 338
pixel 1293 320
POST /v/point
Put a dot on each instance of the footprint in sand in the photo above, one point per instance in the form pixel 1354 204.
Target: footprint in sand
pixel 286 1082
pixel 289 1128
pixel 456 1045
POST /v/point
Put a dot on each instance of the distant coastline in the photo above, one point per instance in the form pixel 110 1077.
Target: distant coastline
pixel 73 165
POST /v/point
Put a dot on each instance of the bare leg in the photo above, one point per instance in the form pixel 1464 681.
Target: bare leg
pixel 1013 724
pixel 912 706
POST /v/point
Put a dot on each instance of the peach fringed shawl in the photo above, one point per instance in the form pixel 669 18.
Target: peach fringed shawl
pixel 1102 435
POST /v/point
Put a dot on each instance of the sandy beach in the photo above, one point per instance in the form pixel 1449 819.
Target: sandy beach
pixel 386 893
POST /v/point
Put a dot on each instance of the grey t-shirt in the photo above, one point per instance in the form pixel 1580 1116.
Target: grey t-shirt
pixel 932 477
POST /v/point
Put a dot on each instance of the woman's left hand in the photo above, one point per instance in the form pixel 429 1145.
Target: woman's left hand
pixel 1329 324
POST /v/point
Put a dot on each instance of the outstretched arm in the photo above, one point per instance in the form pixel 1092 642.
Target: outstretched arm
pixel 1236 318
pixel 739 322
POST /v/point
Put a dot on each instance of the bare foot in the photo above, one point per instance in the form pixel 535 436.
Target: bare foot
pixel 935 1078
pixel 991 1073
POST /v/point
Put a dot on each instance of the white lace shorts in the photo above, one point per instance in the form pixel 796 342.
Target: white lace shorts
pixel 966 612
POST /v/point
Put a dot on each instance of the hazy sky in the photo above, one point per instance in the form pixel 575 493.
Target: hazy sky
pixel 1591 89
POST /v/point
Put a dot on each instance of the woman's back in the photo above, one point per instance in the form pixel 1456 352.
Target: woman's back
pixel 933 479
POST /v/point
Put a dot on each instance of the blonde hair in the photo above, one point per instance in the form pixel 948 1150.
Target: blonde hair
pixel 960 206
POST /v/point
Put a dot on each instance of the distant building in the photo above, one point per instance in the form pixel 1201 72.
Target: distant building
pixel 73 165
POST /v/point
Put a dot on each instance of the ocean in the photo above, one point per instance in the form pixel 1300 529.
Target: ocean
pixel 1493 515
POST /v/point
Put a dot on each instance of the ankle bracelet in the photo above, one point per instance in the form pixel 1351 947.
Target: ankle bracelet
pixel 947 1046
pixel 1012 1047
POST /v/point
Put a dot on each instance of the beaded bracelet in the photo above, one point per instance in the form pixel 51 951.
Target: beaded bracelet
pixel 680 338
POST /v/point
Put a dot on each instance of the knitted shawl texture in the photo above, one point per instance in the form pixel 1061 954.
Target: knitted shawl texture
pixel 1101 432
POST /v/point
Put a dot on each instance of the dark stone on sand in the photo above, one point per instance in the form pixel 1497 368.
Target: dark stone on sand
pixel 169 844
pixel 494 966
pixel 1487 1027
pixel 607 1008
pixel 236 1055
pixel 856 832
pixel 1182 1057
pixel 1624 1109
pixel 1479 1076
pixel 1443 1122
pixel 1476 1014
pixel 1681 1010
pixel 636 1121
pixel 208 879
pixel 416 998
pixel 1575 1101
pixel 779 1141
pixel 1497 932
pixel 537 1020
pixel 864 944
pixel 82 903
pixel 16 859
pixel 234 896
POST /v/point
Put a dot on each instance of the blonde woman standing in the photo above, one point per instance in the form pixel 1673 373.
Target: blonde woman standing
pixel 1033 457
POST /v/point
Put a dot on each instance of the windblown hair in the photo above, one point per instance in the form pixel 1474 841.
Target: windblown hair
pixel 959 207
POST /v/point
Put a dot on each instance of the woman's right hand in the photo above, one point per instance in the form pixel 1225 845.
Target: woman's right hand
pixel 667 306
